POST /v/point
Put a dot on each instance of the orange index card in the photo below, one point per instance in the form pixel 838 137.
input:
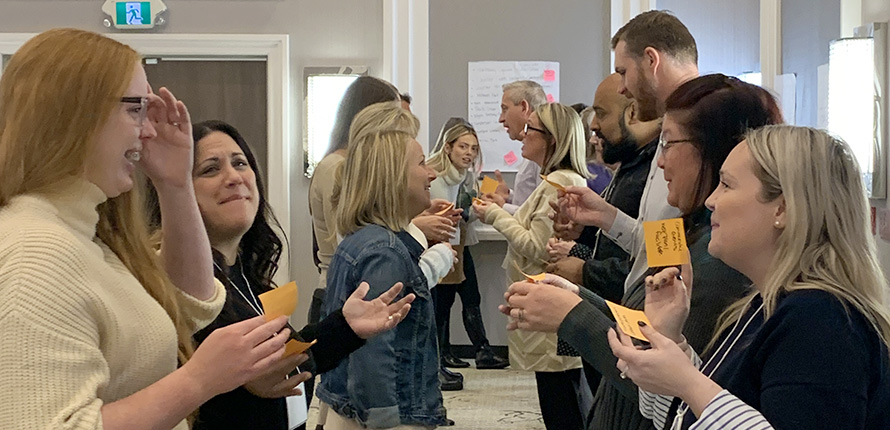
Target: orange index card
pixel 447 208
pixel 294 346
pixel 478 201
pixel 489 185
pixel 628 320
pixel 558 186
pixel 280 301
pixel 530 278
pixel 666 242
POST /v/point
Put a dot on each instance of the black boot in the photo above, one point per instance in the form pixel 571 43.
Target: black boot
pixel 487 359
pixel 451 360
pixel 450 381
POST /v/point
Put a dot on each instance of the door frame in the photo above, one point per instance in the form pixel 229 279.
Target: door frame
pixel 274 47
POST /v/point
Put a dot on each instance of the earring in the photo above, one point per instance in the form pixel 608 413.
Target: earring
pixel 777 224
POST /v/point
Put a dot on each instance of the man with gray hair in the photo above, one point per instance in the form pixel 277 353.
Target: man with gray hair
pixel 517 103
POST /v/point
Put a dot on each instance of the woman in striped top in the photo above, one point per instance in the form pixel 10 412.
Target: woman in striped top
pixel 809 348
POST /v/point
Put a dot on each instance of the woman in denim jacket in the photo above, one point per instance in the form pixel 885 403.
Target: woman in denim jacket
pixel 392 381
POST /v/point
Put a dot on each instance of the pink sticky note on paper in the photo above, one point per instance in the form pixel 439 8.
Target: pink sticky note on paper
pixel 510 158
pixel 550 98
pixel 549 75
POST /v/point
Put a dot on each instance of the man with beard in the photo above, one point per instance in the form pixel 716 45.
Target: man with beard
pixel 654 55
pixel 632 143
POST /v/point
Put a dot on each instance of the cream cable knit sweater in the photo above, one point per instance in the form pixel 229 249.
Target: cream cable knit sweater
pixel 76 328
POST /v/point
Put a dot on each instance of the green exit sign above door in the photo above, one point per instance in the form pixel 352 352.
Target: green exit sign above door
pixel 134 14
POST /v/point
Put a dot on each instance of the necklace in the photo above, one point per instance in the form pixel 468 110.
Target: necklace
pixel 684 408
pixel 253 300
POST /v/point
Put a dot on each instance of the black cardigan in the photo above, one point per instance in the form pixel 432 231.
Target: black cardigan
pixel 239 409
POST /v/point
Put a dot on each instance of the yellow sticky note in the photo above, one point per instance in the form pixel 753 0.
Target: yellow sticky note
pixel 666 242
pixel 448 208
pixel 478 201
pixel 489 185
pixel 280 301
pixel 628 320
pixel 558 186
pixel 294 346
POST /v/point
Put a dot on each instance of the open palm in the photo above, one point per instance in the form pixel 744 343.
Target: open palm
pixel 368 318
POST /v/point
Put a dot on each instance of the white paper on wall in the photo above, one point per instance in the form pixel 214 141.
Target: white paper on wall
pixel 786 90
pixel 485 79
pixel 822 97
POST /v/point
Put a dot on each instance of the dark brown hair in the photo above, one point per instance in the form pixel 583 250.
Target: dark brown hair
pixel 660 30
pixel 716 111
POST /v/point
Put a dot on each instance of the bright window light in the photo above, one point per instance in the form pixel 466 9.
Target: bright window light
pixel 323 96
pixel 851 99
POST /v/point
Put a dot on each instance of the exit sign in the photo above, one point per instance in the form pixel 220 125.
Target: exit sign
pixel 134 15
pixel 134 12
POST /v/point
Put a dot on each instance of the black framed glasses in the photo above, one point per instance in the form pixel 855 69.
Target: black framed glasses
pixel 529 127
pixel 139 110
pixel 668 144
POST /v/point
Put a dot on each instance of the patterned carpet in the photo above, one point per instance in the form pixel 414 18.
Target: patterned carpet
pixel 490 400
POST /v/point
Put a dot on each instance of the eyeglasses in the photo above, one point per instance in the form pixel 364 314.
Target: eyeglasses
pixel 138 113
pixel 529 127
pixel 668 144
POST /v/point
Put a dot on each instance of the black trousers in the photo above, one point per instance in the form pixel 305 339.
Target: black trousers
pixel 558 396
pixel 443 298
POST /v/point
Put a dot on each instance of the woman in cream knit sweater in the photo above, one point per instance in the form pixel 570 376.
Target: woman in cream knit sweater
pixel 553 138
pixel 96 327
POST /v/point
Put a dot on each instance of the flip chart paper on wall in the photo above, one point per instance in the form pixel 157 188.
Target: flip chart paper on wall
pixel 666 242
pixel 485 79
pixel 280 301
pixel 628 320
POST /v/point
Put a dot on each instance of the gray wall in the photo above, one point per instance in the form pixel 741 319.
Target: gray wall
pixel 329 32
pixel 573 32
pixel 727 32
pixel 808 26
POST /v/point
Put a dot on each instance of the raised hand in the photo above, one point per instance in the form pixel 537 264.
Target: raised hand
pixel 436 228
pixel 559 249
pixel 537 306
pixel 167 157
pixel 563 228
pixel 480 209
pixel 368 318
pixel 662 369
pixel 583 206
pixel 570 268
pixel 668 300
pixel 503 189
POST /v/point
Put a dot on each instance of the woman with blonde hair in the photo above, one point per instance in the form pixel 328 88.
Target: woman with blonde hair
pixel 554 139
pixel 809 348
pixel 99 327
pixel 457 161
pixel 392 381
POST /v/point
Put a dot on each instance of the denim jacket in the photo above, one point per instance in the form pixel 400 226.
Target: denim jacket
pixel 393 379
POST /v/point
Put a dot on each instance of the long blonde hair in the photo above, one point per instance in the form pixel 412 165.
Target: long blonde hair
pixel 373 180
pixel 826 243
pixel 570 148
pixel 440 161
pixel 56 94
